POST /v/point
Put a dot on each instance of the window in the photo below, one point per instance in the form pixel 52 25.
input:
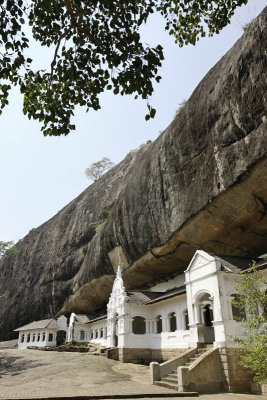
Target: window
pixel 28 337
pixel 82 335
pixel 102 333
pixel 92 334
pixel 50 337
pixel 158 324
pixel 33 337
pixel 186 320
pixel 172 322
pixel 238 313
pixel 96 333
pixel 43 336
pixel 38 337
pixel 139 325
pixel 22 338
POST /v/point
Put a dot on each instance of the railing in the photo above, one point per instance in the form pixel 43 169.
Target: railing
pixel 158 371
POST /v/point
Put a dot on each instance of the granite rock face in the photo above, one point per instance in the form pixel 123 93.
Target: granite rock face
pixel 200 185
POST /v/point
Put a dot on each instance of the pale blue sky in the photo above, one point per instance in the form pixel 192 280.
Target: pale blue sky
pixel 40 175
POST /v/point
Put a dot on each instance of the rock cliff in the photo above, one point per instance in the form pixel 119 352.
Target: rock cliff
pixel 200 185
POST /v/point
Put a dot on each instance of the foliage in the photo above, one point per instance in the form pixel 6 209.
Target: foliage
pixel 142 145
pixel 96 47
pixel 104 214
pixel 97 169
pixel 252 295
pixel 84 249
pixel 181 105
pixel 7 248
pixel 99 226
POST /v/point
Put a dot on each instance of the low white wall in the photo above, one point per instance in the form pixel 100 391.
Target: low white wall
pixel 90 333
pixel 33 335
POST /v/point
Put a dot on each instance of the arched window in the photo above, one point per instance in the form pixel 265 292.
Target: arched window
pixel 102 332
pixel 28 337
pixel 33 337
pixel 172 322
pixel 239 312
pixel 22 338
pixel 92 334
pixel 38 337
pixel 158 324
pixel 96 333
pixel 139 325
pixel 82 335
pixel 43 336
pixel 186 320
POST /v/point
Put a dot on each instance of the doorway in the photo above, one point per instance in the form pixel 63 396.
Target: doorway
pixel 61 338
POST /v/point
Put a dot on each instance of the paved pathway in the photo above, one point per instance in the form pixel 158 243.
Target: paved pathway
pixel 35 374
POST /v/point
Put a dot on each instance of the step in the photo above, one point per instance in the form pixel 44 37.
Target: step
pixel 201 351
pixel 166 385
pixel 192 359
pixel 172 376
pixel 169 380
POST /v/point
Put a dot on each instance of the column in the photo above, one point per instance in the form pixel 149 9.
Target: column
pixel 147 326
pixel 197 313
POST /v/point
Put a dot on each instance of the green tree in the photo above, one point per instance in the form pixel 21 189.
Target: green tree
pixel 96 47
pixel 97 169
pixel 251 295
pixel 7 248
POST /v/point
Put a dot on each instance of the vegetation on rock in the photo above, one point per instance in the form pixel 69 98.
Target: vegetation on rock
pixel 7 248
pixel 97 169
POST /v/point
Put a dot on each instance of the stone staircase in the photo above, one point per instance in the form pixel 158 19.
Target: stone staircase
pixel 97 350
pixel 170 381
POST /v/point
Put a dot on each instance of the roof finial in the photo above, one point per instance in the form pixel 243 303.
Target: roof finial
pixel 119 272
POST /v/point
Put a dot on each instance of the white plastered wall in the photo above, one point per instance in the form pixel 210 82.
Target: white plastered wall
pixel 202 282
pixel 92 332
pixel 33 335
pixel 166 339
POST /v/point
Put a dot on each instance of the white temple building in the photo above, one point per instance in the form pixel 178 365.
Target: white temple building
pixel 187 312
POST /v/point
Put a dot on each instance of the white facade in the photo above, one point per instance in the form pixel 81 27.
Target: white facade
pixel 42 333
pixel 194 307
pixel 94 331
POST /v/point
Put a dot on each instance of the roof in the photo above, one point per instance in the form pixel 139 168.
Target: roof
pixel 81 318
pixel 98 318
pixel 88 318
pixel 145 297
pixel 169 294
pixel 237 264
pixel 42 324
pixel 142 297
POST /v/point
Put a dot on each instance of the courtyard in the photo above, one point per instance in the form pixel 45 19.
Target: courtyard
pixel 38 374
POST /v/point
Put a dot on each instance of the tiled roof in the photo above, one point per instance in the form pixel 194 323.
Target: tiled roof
pixel 236 264
pixel 170 293
pixel 42 324
pixel 87 318
pixel 145 297
pixel 82 318
pixel 142 297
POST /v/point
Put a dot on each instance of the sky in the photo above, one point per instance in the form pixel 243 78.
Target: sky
pixel 40 175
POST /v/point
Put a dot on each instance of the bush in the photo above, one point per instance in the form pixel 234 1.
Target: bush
pixel 84 249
